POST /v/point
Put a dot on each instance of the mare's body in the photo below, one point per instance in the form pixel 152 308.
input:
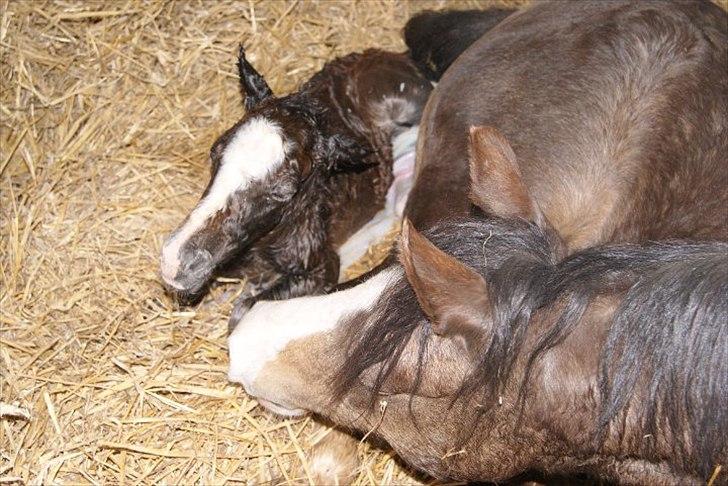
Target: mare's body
pixel 617 112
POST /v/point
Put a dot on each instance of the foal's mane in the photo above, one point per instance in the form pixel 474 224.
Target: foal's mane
pixel 668 337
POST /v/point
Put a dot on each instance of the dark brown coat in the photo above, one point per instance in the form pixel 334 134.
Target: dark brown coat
pixel 280 233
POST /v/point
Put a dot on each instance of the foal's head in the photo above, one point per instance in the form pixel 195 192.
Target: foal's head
pixel 257 168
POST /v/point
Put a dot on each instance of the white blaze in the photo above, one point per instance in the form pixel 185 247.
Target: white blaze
pixel 269 326
pixel 255 150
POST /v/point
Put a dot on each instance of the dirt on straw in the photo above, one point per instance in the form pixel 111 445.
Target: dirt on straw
pixel 107 113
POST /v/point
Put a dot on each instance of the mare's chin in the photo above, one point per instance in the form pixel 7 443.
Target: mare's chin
pixel 280 409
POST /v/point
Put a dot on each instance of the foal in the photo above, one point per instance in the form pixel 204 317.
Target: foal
pixel 297 176
pixel 484 356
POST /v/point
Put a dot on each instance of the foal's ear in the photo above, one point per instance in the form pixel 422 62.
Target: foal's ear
pixel 496 185
pixel 451 294
pixel 252 85
pixel 343 153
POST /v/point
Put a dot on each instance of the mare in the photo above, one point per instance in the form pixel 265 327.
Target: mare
pixel 485 355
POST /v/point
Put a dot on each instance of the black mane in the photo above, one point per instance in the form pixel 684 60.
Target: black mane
pixel 669 335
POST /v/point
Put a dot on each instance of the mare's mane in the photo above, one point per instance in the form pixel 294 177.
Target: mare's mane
pixel 668 338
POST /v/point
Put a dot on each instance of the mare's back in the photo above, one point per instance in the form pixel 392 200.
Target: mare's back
pixel 617 113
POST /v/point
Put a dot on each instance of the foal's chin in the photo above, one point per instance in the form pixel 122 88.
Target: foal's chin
pixel 187 296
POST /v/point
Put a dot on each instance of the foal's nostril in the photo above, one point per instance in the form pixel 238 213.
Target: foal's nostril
pixel 197 262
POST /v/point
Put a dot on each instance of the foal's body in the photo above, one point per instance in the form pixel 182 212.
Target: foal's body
pixel 617 112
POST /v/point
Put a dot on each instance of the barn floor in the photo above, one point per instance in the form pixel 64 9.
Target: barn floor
pixel 107 114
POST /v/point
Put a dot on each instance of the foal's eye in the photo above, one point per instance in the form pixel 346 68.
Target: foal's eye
pixel 283 189
pixel 216 153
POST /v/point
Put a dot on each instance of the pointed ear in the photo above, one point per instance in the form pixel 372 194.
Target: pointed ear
pixel 496 185
pixel 451 294
pixel 343 153
pixel 252 85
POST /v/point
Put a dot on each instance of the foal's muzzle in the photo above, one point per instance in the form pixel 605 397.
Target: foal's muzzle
pixel 195 269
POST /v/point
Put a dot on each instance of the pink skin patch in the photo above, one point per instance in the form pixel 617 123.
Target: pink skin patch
pixel 403 170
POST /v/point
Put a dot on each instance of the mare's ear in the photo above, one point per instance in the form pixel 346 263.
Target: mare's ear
pixel 496 185
pixel 451 294
pixel 252 85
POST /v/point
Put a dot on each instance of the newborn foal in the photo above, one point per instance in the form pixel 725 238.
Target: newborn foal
pixel 297 176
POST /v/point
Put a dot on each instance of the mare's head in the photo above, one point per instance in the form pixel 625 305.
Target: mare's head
pixel 409 336
pixel 258 166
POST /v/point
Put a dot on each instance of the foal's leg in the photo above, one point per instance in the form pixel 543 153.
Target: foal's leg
pixel 294 283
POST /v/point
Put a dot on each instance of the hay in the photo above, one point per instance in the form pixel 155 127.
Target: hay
pixel 108 111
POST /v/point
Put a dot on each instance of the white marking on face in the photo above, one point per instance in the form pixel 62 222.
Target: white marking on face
pixel 403 151
pixel 255 150
pixel 269 326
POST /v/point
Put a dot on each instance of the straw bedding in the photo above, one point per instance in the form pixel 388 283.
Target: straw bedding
pixel 107 113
